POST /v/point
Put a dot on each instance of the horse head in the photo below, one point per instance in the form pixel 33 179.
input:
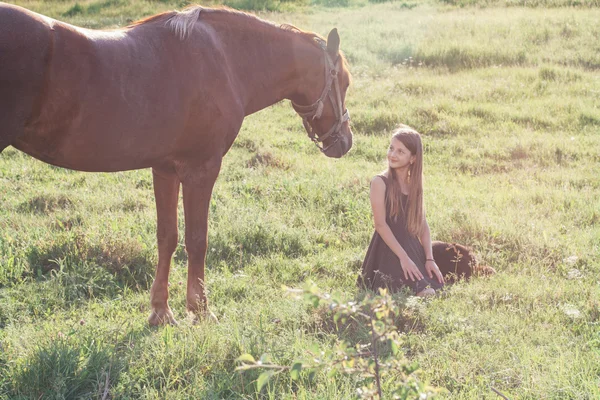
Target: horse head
pixel 326 118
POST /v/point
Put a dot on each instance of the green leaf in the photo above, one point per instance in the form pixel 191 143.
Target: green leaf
pixel 263 379
pixel 315 349
pixel 246 358
pixel 265 359
pixel 315 301
pixel 336 297
pixel 349 363
pixel 295 371
pixel 332 373
pixel 311 298
pixel 379 327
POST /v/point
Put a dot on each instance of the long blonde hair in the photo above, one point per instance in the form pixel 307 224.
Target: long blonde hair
pixel 415 208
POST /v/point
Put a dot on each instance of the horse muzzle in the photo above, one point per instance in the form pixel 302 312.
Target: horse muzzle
pixel 340 145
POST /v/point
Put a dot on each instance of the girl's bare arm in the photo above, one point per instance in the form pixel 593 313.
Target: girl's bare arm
pixel 426 240
pixel 430 265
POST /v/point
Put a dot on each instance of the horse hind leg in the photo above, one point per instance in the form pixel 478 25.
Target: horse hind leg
pixel 12 124
pixel 26 49
pixel 3 145
pixel 166 192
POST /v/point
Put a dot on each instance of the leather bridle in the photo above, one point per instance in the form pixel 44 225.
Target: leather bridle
pixel 314 111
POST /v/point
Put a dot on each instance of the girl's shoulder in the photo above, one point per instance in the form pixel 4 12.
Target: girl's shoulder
pixel 380 177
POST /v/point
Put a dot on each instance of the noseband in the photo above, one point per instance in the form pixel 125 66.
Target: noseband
pixel 314 111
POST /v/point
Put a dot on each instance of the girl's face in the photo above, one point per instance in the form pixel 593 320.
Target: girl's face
pixel 398 155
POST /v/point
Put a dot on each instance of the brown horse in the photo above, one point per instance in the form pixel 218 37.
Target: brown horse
pixel 456 262
pixel 169 92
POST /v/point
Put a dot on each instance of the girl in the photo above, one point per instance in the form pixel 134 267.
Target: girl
pixel 400 252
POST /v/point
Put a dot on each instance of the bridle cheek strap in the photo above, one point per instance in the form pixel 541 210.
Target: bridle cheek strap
pixel 315 110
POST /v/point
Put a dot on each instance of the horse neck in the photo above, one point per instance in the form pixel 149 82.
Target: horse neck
pixel 273 63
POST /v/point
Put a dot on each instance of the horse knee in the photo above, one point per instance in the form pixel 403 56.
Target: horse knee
pixel 196 250
pixel 167 242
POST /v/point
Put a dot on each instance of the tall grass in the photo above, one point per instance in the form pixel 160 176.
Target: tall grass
pixel 507 102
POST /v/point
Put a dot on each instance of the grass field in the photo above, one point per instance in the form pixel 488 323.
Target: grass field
pixel 507 97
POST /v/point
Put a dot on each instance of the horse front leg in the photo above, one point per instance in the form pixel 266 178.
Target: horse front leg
pixel 197 189
pixel 166 193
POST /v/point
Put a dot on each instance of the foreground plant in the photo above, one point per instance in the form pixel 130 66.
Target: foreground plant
pixel 377 365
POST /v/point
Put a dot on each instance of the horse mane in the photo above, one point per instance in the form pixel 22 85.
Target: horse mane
pixel 313 37
pixel 182 22
pixel 153 18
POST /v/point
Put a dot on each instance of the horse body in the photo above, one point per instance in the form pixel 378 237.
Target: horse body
pixel 102 107
pixel 170 93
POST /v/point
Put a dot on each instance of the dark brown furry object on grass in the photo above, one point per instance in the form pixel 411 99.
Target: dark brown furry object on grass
pixel 456 261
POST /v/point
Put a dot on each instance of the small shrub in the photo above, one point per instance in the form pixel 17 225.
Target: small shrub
pixel 377 366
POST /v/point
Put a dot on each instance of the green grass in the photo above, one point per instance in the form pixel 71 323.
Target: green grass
pixel 508 101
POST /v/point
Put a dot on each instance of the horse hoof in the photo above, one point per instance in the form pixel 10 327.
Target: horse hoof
pixel 164 317
pixel 203 315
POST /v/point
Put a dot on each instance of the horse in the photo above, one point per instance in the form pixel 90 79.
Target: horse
pixel 457 262
pixel 170 93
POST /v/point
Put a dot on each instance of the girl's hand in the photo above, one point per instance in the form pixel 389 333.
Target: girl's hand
pixel 410 270
pixel 432 269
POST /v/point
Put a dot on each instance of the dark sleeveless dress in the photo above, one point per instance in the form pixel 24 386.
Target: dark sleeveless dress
pixel 381 267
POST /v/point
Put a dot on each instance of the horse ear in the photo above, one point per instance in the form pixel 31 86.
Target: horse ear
pixel 333 43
